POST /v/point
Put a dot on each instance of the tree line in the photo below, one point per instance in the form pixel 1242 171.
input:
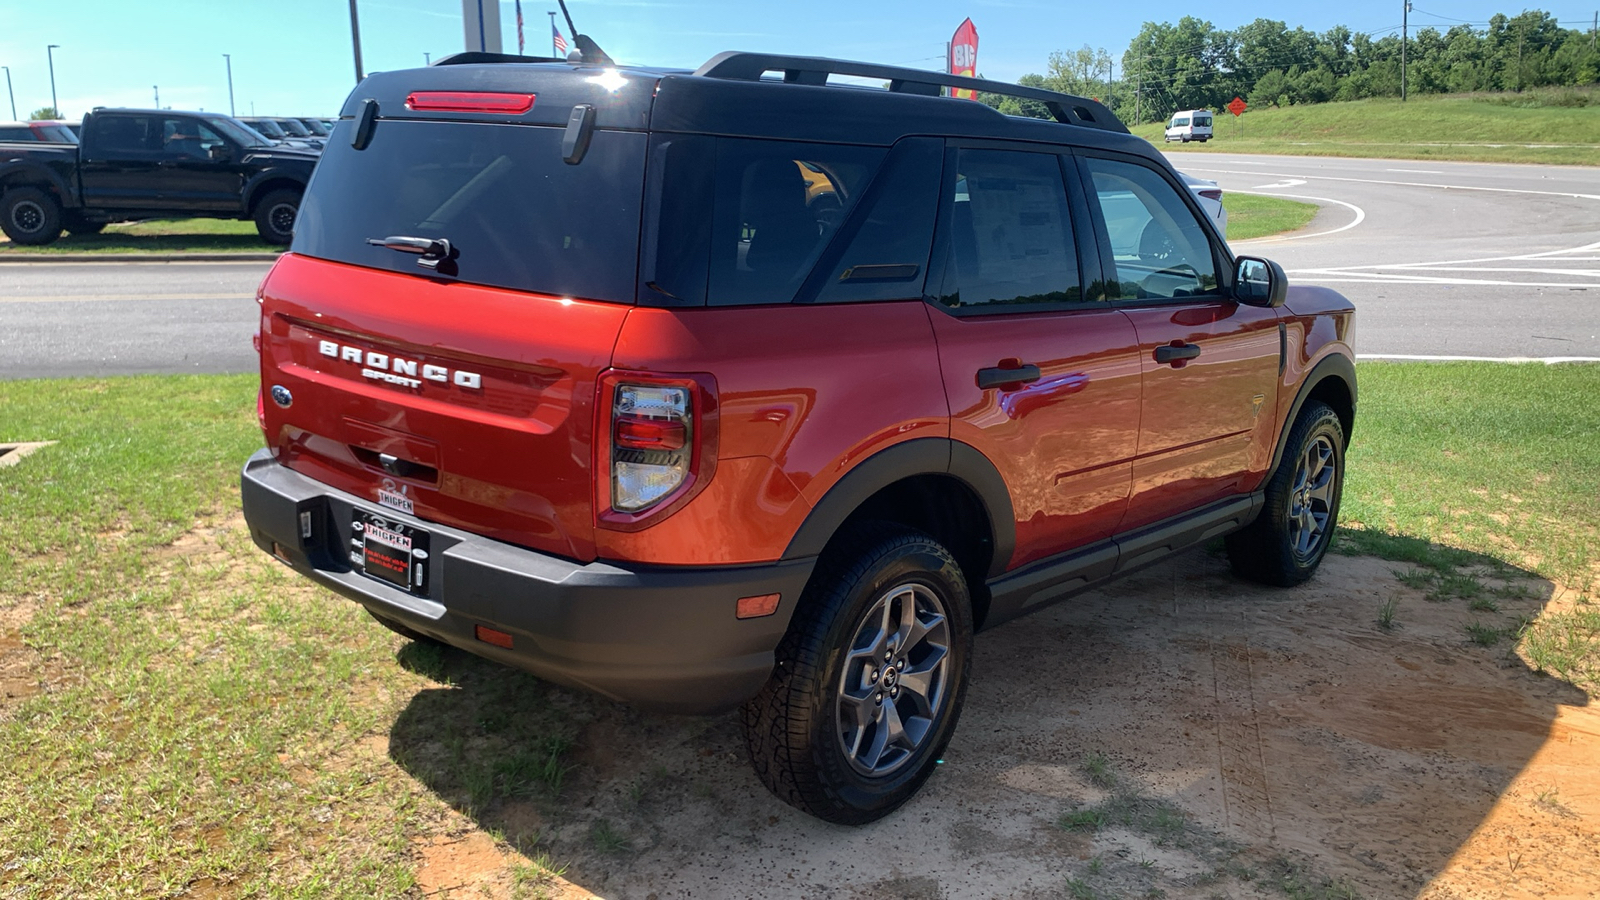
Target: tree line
pixel 1195 65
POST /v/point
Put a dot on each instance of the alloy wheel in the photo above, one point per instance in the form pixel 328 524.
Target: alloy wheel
pixel 892 690
pixel 1311 498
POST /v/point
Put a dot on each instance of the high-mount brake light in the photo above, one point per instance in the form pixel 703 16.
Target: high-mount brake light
pixel 470 101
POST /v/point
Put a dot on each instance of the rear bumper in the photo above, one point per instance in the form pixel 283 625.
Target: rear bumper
pixel 660 638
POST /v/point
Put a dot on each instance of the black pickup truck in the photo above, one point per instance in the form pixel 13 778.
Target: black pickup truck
pixel 146 164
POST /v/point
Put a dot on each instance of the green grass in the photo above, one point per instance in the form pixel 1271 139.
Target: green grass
pixel 1450 460
pixel 1253 215
pixel 159 236
pixel 1480 128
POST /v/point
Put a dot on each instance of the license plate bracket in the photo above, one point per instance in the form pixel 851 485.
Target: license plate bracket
pixel 390 551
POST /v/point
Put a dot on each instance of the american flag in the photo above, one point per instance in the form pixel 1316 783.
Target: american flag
pixel 560 42
pixel 519 27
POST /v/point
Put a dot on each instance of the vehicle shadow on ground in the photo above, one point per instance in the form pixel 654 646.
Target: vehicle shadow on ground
pixel 1179 732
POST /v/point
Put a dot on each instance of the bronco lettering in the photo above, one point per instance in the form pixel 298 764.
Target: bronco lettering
pixel 395 370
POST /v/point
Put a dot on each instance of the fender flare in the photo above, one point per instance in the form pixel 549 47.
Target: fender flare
pixel 35 173
pixel 1334 365
pixel 253 187
pixel 920 456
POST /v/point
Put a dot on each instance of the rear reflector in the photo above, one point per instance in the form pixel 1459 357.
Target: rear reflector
pixel 756 607
pixel 470 101
pixel 490 636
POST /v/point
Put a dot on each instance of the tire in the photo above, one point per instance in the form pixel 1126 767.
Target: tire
pixel 402 630
pixel 275 216
pixel 30 216
pixel 1288 540
pixel 802 732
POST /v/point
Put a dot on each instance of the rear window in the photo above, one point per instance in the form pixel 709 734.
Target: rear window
pixel 518 214
pixel 1202 121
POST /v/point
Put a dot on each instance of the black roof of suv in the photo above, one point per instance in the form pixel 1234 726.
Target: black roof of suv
pixel 733 94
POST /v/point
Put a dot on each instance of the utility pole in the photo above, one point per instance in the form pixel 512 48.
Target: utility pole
pixel 1138 95
pixel 1405 11
pixel 1519 57
pixel 228 57
pixel 355 40
pixel 49 52
pixel 10 94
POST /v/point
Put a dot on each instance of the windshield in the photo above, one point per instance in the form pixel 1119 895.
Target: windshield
pixel 315 127
pixel 519 216
pixel 268 128
pixel 293 127
pixel 60 134
pixel 235 130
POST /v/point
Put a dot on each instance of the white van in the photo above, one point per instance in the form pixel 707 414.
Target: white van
pixel 1190 125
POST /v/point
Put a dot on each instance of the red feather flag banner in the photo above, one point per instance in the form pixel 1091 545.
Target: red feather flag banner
pixel 964 57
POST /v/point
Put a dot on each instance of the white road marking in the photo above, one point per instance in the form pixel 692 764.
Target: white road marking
pixel 1547 360
pixel 97 298
pixel 1415 171
pixel 1292 182
pixel 1314 278
pixel 1361 216
pixel 1422 184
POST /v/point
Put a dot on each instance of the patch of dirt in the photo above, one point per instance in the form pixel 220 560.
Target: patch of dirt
pixel 1288 736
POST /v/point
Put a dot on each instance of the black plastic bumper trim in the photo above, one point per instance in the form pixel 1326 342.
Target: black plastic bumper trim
pixel 662 638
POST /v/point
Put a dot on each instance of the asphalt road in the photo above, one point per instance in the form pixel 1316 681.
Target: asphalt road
pixel 1442 260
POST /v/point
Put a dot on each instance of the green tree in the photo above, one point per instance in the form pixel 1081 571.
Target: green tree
pixel 45 112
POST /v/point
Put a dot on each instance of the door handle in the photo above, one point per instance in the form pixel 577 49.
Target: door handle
pixel 1009 372
pixel 1177 353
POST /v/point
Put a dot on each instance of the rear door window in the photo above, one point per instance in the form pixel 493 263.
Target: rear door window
pixel 1010 233
pixel 519 216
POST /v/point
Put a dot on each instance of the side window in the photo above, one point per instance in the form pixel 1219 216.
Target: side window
pixel 1160 250
pixel 1010 232
pixel 183 136
pixel 887 255
pixel 123 136
pixel 15 134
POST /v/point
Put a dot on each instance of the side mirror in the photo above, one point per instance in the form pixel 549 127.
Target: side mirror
pixel 1259 282
pixel 219 152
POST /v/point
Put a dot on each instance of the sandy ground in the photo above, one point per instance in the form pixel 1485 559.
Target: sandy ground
pixel 1292 743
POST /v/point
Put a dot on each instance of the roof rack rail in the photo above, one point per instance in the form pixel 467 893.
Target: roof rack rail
pixel 1065 108
pixel 467 57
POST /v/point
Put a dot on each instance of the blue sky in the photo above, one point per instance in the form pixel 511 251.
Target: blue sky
pixel 292 57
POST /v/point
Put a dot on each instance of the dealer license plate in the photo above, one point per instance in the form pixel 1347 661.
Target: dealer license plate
pixel 390 551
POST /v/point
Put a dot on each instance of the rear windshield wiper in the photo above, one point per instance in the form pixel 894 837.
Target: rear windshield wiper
pixel 431 252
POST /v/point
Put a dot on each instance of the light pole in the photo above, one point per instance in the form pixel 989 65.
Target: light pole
pixel 228 57
pixel 49 53
pixel 427 60
pixel 157 89
pixel 9 94
pixel 355 39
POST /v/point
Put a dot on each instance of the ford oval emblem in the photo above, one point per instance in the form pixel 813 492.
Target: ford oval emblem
pixel 281 396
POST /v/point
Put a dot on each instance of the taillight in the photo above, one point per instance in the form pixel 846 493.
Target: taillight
pixel 650 430
pixel 1211 194
pixel 658 444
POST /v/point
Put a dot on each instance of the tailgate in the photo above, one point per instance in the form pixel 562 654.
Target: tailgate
pixel 461 404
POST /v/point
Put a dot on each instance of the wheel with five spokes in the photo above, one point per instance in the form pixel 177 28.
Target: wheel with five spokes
pixel 1287 541
pixel 869 678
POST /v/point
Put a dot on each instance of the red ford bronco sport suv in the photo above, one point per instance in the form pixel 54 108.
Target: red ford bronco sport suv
pixel 741 389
